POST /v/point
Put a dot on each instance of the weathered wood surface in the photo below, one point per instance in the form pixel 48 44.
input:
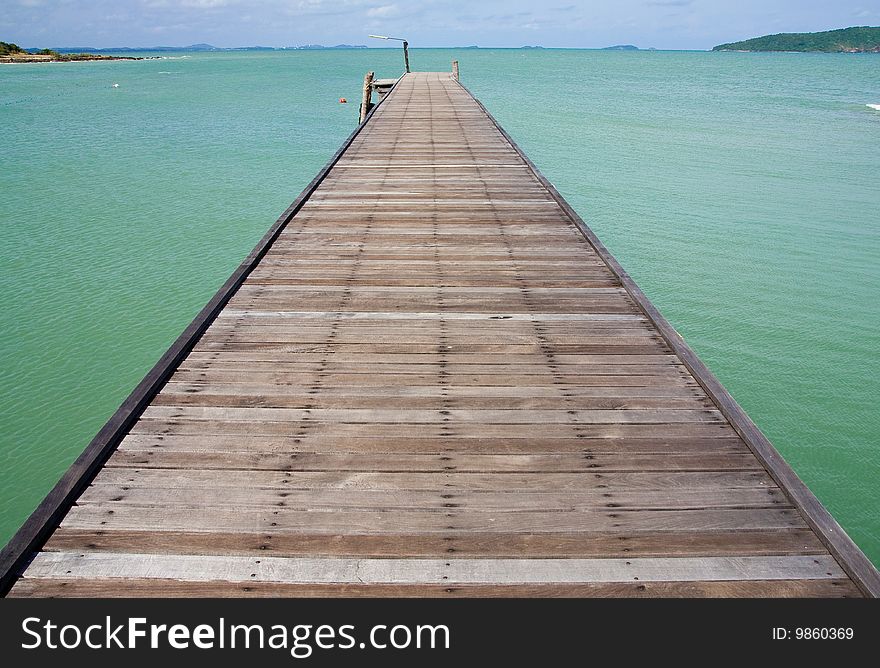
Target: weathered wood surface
pixel 433 384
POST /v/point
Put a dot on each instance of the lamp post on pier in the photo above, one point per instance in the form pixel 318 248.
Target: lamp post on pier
pixel 405 45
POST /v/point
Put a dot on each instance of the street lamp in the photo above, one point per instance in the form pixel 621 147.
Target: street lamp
pixel 405 45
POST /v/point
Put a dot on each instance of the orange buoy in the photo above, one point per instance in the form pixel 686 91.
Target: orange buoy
pixel 342 100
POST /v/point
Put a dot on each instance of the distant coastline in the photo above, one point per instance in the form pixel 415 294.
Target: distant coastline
pixel 847 40
pixel 13 53
pixel 63 57
pixel 200 48
pixel 862 39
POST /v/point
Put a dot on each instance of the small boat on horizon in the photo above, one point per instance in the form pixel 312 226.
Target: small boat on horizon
pixel 875 106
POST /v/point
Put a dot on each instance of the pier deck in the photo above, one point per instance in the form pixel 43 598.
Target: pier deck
pixel 431 379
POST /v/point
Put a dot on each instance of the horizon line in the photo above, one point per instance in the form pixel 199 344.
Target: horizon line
pixel 306 47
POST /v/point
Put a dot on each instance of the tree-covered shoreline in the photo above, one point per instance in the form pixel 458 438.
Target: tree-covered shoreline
pixel 13 53
pixel 861 39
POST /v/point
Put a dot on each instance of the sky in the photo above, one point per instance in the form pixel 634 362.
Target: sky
pixel 662 24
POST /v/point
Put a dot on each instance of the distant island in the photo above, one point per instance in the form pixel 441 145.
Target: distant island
pixel 621 47
pixel 315 46
pixel 13 53
pixel 201 48
pixel 862 39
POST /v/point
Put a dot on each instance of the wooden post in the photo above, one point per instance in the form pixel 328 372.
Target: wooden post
pixel 406 55
pixel 455 70
pixel 367 100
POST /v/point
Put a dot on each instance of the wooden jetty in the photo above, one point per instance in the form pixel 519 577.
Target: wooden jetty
pixel 431 378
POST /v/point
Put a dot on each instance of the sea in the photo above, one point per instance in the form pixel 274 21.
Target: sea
pixel 740 190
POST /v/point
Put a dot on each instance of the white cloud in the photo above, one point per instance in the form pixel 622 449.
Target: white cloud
pixel 187 4
pixel 662 23
pixel 204 4
pixel 382 12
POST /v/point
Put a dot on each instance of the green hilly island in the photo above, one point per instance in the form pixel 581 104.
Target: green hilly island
pixel 862 39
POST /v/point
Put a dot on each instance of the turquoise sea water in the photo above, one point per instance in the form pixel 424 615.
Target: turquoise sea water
pixel 741 191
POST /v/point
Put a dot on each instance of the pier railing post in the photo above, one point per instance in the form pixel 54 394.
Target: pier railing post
pixel 367 100
pixel 455 70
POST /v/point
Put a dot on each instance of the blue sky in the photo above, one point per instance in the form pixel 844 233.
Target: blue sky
pixel 666 24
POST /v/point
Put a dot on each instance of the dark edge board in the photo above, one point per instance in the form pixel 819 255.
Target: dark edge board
pixel 36 530
pixel 832 535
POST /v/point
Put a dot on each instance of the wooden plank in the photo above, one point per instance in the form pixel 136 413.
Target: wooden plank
pixel 159 587
pixel 427 445
pixel 497 501
pixel 224 398
pixel 162 518
pixel 450 392
pixel 296 429
pixel 338 379
pixel 328 362
pixel 459 416
pixel 439 354
pixel 451 543
pixel 451 461
pixel 532 316
pixel 451 348
pixel 448 481
pixel 71 565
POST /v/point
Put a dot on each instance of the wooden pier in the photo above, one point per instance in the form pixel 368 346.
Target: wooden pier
pixel 430 378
